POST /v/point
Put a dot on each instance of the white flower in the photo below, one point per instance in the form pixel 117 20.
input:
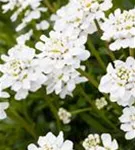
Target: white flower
pixel 92 142
pixel 59 50
pixel 108 143
pixel 29 16
pixel 95 142
pixel 24 37
pixel 119 29
pixel 22 4
pixel 51 142
pixel 101 103
pixel 60 56
pixel 3 106
pixel 128 122
pixel 21 71
pixel 120 82
pixel 64 115
pixel 43 25
pixel 63 81
pixel 31 10
pixel 81 14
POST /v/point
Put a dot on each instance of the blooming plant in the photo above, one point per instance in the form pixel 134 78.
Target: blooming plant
pixel 67 68
pixel 49 142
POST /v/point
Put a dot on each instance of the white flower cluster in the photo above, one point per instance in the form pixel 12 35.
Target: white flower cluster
pixel 120 82
pixel 55 66
pixel 128 122
pixel 63 81
pixel 61 56
pixel 80 15
pixel 119 29
pixel 31 10
pixel 51 142
pixel 21 71
pixel 101 103
pixel 64 115
pixel 95 142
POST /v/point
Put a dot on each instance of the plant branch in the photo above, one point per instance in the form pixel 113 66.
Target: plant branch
pixel 96 54
pixel 89 77
pixel 49 6
pixel 27 126
pixel 53 109
pixel 131 52
pixel 109 52
pixel 80 111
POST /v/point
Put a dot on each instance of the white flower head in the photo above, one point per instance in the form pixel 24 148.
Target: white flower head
pixel 51 142
pixel 31 10
pixel 101 103
pixel 103 142
pixel 21 71
pixel 64 115
pixel 81 14
pixel 91 142
pixel 32 15
pixel 3 107
pixel 63 81
pixel 120 82
pixel 108 143
pixel 119 29
pixel 59 50
pixel 61 54
pixel 128 122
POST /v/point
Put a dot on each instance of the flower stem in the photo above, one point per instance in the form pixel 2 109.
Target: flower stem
pixel 89 77
pixel 110 53
pixel 80 111
pixel 50 7
pixel 101 114
pixel 96 54
pixel 131 52
pixel 53 109
pixel 27 126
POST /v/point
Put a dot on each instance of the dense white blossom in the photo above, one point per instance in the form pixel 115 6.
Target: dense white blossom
pixel 92 142
pixel 61 55
pixel 64 115
pixel 63 81
pixel 95 142
pixel 31 10
pixel 3 106
pixel 120 82
pixel 81 14
pixel 51 142
pixel 59 50
pixel 101 103
pixel 119 29
pixel 21 71
pixel 128 122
